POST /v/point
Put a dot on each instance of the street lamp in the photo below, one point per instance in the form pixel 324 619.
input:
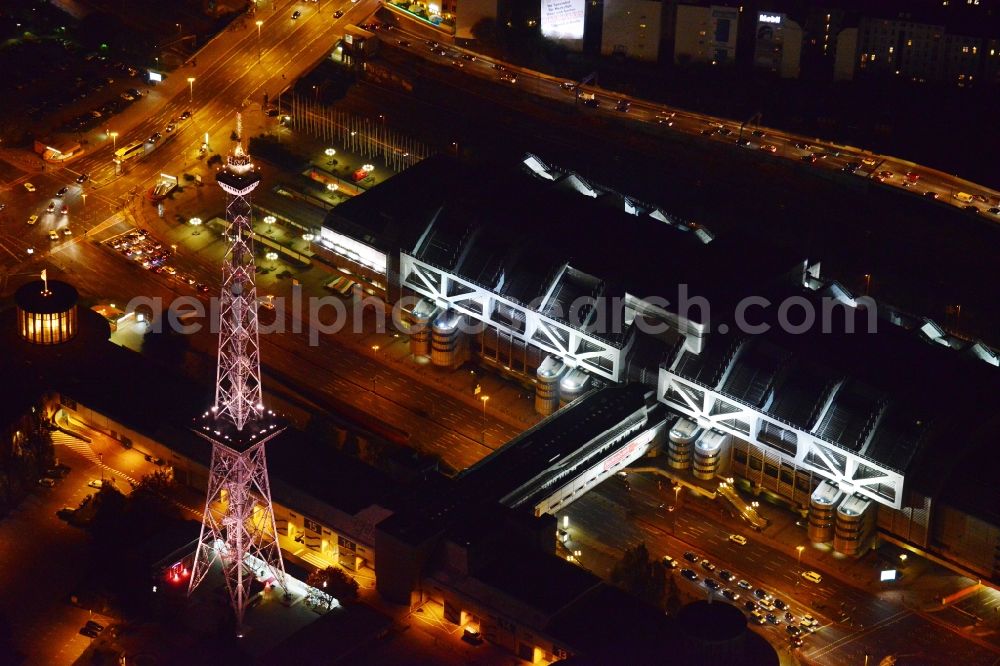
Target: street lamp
pixel 485 399
pixel 259 23
pixel 195 222
pixel 114 140
pixel 308 237
pixel 332 187
pixel 329 152
pixel 799 550
pixel 83 195
pixel 191 89
pixel 269 220
pixel 271 256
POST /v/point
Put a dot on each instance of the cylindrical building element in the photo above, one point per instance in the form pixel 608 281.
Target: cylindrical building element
pixel 572 385
pixel 547 387
pixel 420 330
pixel 682 435
pixel 46 312
pixel 851 526
pixel 708 454
pixel 445 338
pixel 821 505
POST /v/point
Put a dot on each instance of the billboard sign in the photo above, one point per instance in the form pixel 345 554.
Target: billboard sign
pixel 563 19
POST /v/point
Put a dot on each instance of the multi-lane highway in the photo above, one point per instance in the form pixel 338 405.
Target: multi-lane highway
pixel 229 77
pixel 853 622
pixel 886 170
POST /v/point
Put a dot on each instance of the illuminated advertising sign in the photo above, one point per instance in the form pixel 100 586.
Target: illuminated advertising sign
pixel 887 575
pixel 768 18
pixel 563 19
pixel 155 76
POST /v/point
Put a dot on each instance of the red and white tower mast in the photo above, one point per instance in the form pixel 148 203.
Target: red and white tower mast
pixel 238 527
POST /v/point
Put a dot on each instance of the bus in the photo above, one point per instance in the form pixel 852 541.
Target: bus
pixel 134 149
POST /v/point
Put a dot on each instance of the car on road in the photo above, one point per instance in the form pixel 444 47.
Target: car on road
pixel 743 585
pixel 62 191
pixel 851 167
pixel 90 632
pixel 691 557
pixel 296 14
pixel 82 178
pixel 127 97
pixel 981 198
pixel 709 131
pixel 65 513
pixel 761 593
pixel 64 210
pixel 750 605
pixel 202 288
pixel 185 115
pixel 725 131
pixel 46 482
pixel 712 584
pixel 758 133
pixel 51 208
pixel 793 630
pixel 667 120
pixel 154 137
pixel 57 471
pixel 931 195
pixel 769 147
pixel 773 619
pixel 669 562
pixel 623 106
pixel 507 77
pixel 885 175
pixel 29 187
pixel 912 176
pixel 731 595
pixel 689 574
pixel 802 146
pixel 66 231
pixel 995 210
pixel 780 604
pixel 869 161
pixel 972 208
pixel 812 577
pixel 402 42
pixel 743 143
pixel 32 219
pixel 170 126
pixel 810 158
pixel 469 57
pixel 789 617
pixel 338 14
pixel 809 620
pixel 757 617
pixel 707 566
pixel 726 575
pixel 96 483
pixel 738 538
pixel 796 641
pixel 592 102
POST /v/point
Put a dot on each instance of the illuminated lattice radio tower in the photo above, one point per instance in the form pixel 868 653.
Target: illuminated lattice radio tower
pixel 238 528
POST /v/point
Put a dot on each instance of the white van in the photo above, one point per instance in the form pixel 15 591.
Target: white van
pixel 964 197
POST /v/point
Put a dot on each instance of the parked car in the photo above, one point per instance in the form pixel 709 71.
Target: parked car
pixel 46 482
pixel 669 562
